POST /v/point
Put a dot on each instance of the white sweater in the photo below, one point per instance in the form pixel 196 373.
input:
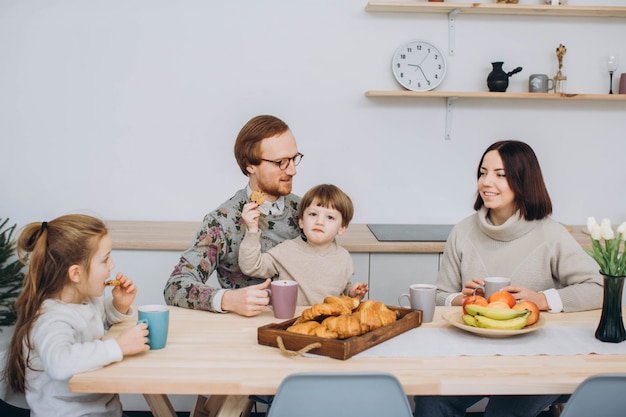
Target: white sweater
pixel 66 340
pixel 539 255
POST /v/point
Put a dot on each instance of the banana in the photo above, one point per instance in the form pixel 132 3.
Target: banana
pixel 494 313
pixel 469 320
pixel 510 324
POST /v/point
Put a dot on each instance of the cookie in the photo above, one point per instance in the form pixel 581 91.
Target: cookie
pixel 112 283
pixel 257 197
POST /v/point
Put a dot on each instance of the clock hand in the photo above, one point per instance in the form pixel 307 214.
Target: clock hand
pixel 421 70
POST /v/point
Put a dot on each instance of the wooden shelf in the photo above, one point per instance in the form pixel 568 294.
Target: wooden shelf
pixel 496 9
pixel 496 96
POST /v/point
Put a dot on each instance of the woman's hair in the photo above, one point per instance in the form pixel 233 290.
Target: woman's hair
pixel 523 175
pixel 248 143
pixel 328 196
pixel 53 247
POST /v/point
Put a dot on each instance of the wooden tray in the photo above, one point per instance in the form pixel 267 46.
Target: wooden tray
pixel 339 348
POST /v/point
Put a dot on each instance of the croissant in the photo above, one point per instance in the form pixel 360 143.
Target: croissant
pixel 346 325
pixel 332 306
pixel 313 328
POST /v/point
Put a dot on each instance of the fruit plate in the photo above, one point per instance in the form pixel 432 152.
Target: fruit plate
pixel 455 318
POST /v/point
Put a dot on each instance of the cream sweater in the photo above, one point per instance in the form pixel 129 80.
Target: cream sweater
pixel 539 255
pixel 319 272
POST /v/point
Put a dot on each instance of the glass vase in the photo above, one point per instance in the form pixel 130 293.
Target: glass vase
pixel 611 327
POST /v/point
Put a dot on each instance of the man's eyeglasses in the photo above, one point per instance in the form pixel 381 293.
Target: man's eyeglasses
pixel 284 163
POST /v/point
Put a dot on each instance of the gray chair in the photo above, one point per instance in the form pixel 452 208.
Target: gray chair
pixel 352 394
pixel 602 395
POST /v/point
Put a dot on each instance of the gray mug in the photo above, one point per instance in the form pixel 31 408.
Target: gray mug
pixel 540 83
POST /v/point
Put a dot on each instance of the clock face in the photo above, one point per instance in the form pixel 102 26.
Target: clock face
pixel 419 65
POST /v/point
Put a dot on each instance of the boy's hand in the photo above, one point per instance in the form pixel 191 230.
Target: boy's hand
pixel 359 290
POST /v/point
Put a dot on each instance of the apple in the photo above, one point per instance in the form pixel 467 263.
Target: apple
pixel 530 306
pixel 504 296
pixel 474 299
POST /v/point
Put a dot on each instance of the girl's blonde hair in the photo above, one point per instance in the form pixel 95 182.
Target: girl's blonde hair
pixel 53 247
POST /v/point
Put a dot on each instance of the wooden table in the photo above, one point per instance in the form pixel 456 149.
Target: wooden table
pixel 218 354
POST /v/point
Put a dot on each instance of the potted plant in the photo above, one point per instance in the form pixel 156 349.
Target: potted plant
pixel 11 275
pixel 612 264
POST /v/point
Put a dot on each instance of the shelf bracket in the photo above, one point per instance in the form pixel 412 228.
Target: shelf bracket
pixel 449 102
pixel 451 31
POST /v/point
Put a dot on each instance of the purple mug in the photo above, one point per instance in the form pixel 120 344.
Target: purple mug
pixel 283 298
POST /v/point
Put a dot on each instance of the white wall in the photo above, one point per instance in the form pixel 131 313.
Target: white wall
pixel 129 109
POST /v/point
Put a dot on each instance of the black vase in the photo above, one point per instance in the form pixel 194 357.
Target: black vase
pixel 497 80
pixel 611 327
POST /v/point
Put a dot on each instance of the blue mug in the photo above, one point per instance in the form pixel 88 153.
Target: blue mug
pixel 157 317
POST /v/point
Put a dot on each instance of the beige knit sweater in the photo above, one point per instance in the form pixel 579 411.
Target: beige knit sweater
pixel 319 272
pixel 539 255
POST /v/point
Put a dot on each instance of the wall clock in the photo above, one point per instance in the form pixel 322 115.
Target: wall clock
pixel 419 65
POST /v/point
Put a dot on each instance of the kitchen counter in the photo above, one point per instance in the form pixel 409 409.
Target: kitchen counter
pixel 177 236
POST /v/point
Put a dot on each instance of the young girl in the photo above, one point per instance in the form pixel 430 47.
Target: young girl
pixel 62 317
pixel 314 260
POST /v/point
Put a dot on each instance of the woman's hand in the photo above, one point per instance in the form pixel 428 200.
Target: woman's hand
pixel 250 215
pixel 525 294
pixel 473 287
pixel 123 294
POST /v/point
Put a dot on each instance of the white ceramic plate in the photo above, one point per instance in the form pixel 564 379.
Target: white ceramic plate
pixel 455 318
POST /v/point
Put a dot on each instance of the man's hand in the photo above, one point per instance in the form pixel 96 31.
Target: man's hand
pixel 250 215
pixel 248 301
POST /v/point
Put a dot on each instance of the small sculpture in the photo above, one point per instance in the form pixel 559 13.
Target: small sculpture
pixel 559 78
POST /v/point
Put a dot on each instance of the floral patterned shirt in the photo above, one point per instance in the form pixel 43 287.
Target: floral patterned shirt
pixel 216 248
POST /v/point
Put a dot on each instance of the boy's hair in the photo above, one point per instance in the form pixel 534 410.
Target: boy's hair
pixel 54 247
pixel 328 196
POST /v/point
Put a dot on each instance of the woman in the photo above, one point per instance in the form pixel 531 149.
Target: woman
pixel 511 235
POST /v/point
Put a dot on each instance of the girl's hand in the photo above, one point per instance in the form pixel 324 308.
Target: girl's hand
pixel 134 340
pixel 250 215
pixel 359 290
pixel 124 294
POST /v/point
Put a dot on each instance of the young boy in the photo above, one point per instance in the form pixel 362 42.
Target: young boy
pixel 314 260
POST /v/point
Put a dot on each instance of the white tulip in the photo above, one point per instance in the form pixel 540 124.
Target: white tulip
pixel 596 232
pixel 607 230
pixel 622 230
pixel 590 222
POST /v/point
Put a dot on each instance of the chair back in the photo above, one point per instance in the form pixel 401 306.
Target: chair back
pixel 352 394
pixel 602 395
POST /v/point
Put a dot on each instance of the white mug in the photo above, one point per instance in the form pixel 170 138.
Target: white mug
pixel 493 284
pixel 422 297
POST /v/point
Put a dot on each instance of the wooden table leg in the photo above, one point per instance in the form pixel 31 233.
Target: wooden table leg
pixel 221 406
pixel 160 405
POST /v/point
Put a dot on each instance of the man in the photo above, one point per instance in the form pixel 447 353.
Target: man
pixel 267 154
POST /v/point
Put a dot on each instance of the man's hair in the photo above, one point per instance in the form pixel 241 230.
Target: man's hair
pixel 248 144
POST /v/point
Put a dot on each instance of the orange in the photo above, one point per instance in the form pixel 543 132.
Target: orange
pixel 530 306
pixel 504 296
